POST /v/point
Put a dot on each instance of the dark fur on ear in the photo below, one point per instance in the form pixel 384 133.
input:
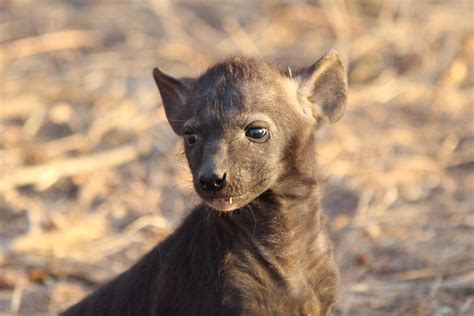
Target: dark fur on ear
pixel 174 93
pixel 323 88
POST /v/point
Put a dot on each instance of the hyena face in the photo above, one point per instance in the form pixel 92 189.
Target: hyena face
pixel 242 118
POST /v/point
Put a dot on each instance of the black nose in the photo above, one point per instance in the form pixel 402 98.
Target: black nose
pixel 213 182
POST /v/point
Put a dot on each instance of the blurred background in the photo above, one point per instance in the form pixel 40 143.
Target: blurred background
pixel 91 175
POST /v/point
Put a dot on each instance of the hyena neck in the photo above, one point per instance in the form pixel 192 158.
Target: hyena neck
pixel 297 191
pixel 287 217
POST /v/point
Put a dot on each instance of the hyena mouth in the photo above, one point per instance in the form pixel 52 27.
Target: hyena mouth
pixel 226 203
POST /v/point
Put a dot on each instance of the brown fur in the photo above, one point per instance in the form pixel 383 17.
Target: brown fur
pixel 257 245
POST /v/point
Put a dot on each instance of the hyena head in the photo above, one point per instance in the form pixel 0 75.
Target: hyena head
pixel 243 118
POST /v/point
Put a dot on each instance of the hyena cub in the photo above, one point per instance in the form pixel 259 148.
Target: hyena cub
pixel 257 244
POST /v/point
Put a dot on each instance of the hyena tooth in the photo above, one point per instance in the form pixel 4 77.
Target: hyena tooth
pixel 230 201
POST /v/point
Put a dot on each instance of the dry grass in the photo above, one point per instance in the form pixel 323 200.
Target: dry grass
pixel 90 174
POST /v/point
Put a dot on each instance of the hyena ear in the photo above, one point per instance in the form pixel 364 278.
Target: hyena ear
pixel 174 93
pixel 322 88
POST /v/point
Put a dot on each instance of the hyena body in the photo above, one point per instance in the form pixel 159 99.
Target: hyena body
pixel 257 245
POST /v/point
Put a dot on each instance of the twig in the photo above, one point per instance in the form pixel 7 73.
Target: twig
pixel 47 43
pixel 45 175
pixel 15 301
pixel 240 37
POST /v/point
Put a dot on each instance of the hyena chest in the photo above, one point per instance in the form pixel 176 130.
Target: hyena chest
pixel 264 289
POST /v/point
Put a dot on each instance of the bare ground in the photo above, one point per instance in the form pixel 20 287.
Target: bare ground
pixel 91 175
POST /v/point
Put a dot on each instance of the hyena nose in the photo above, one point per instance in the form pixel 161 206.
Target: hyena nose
pixel 213 181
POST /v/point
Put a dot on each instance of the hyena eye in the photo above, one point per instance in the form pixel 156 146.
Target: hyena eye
pixel 257 134
pixel 191 138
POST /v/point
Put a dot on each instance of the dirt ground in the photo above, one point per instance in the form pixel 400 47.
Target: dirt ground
pixel 91 175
